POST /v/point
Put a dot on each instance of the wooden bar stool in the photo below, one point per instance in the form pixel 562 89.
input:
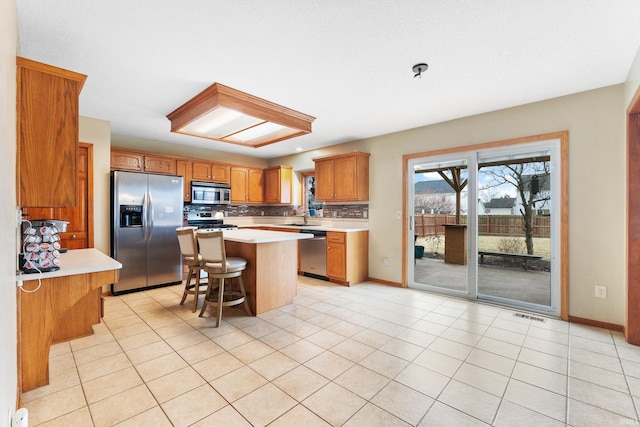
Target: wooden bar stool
pixel 219 267
pixel 193 261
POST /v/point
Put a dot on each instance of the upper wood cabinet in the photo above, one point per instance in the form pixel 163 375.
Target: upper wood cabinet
pixel 342 178
pixel 127 160
pixel 159 164
pixel 210 172
pixel 247 185
pixel 79 232
pixel 123 159
pixel 47 133
pixel 183 168
pixel 277 184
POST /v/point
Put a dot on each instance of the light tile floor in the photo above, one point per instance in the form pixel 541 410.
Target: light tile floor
pixel 368 355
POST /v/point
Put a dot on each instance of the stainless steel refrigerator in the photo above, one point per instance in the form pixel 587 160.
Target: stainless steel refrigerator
pixel 146 209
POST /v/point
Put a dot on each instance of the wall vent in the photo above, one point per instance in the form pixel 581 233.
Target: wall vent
pixel 527 316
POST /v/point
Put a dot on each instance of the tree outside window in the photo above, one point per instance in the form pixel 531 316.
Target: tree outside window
pixel 309 193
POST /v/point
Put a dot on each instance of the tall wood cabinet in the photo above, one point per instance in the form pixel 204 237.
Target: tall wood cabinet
pixel 79 233
pixel 47 133
pixel 342 178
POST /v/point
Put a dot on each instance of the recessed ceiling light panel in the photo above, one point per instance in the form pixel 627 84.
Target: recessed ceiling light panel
pixel 229 115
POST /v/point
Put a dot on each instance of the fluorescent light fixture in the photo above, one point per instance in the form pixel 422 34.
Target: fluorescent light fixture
pixel 228 115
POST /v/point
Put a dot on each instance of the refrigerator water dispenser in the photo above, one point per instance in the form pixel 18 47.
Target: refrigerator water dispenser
pixel 130 216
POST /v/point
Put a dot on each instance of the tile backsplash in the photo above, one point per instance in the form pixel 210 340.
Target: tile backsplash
pixel 359 211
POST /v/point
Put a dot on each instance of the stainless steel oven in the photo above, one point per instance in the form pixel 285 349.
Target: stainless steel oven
pixel 210 193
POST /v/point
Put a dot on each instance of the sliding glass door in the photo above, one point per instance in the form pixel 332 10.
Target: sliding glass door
pixel 441 232
pixel 485 225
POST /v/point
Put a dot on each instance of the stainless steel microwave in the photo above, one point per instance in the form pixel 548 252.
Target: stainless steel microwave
pixel 210 193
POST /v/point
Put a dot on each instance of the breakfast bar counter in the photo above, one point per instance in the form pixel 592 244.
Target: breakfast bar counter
pixel 271 276
pixel 59 306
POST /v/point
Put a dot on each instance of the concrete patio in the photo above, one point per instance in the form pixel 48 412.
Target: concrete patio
pixel 504 282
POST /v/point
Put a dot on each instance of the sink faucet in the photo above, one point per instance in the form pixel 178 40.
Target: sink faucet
pixel 304 217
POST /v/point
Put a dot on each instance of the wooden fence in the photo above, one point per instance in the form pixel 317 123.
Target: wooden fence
pixel 488 225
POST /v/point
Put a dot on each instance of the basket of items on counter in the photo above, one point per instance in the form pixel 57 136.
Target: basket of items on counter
pixel 41 246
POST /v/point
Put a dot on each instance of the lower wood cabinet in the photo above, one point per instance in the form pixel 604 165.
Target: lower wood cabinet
pixel 348 257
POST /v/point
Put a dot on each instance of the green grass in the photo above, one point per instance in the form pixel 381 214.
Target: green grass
pixel 541 245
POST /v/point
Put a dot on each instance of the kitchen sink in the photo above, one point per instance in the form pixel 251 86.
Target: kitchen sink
pixel 302 225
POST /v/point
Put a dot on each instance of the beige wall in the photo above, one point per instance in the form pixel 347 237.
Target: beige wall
pixel 98 133
pixel 8 212
pixel 595 121
pixel 633 80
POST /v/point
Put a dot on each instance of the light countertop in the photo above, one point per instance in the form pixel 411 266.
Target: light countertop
pixel 248 235
pixel 78 261
pixel 343 225
pixel 309 226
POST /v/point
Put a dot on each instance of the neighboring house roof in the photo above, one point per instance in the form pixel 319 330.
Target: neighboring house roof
pixel 439 186
pixel 501 203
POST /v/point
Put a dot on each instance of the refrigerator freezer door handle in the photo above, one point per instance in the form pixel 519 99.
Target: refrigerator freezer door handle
pixel 145 222
pixel 151 214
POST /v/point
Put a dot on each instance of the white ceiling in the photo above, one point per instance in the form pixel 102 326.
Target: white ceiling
pixel 346 62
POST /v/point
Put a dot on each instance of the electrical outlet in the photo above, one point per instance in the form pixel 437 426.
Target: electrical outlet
pixel 386 262
pixel 398 214
pixel 601 291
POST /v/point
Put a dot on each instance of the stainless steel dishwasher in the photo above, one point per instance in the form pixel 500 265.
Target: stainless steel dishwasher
pixel 313 254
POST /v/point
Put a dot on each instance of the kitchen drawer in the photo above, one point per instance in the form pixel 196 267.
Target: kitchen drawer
pixel 335 237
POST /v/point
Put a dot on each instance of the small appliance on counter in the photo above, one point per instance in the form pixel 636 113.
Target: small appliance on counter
pixel 207 218
pixel 41 245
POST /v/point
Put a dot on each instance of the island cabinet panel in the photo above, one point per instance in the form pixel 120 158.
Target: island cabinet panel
pixel 270 278
pixel 348 257
pixel 278 184
pixel 183 168
pixel 210 172
pixel 47 133
pixel 63 308
pixel 247 185
pixel 342 178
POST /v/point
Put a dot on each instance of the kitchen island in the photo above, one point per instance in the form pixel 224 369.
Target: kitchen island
pixel 271 276
pixel 59 306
